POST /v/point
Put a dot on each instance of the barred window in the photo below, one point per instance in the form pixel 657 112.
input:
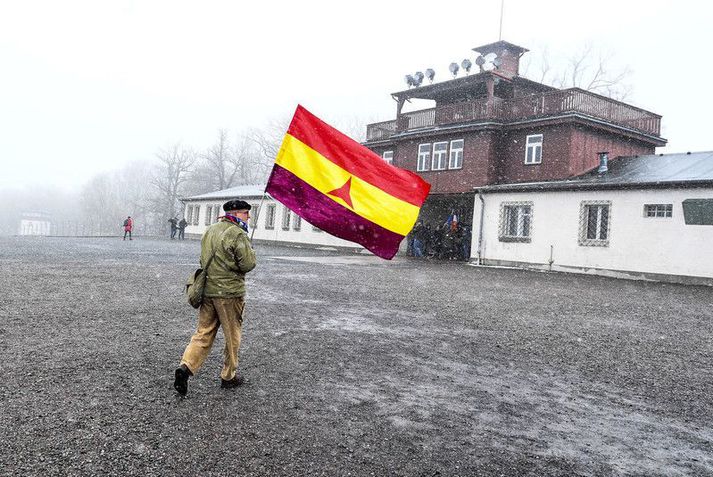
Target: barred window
pixel 533 149
pixel 254 214
pixel 196 214
pixel 594 221
pixel 515 221
pixel 208 215
pixel 456 158
pixel 297 223
pixel 388 157
pixel 286 218
pixel 658 210
pixel 424 157
pixel 270 217
pixel 440 150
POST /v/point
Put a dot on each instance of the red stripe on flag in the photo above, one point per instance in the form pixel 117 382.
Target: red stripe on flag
pixel 357 159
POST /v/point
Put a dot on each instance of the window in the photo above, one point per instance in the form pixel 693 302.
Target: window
pixel 515 221
pixel 533 145
pixel 297 223
pixel 440 150
pixel 424 157
pixel 254 214
pixel 286 218
pixel 208 214
pixel 698 211
pixel 270 217
pixel 388 157
pixel 196 214
pixel 455 160
pixel 189 214
pixel 594 223
pixel 658 210
pixel 217 208
pixel 316 229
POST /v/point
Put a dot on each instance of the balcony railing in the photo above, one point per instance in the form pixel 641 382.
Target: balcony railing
pixel 573 100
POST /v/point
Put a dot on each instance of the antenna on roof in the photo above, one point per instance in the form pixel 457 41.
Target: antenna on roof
pixel 454 69
pixel 466 64
pixel 502 7
pixel 430 74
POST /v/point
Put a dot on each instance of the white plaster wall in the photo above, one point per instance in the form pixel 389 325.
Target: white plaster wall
pixel 34 227
pixel 636 243
pixel 304 236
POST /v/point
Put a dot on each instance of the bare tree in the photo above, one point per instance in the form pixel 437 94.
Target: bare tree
pixel 219 162
pixel 586 69
pixel 171 173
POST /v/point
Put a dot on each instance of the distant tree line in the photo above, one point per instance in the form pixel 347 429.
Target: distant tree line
pixel 149 191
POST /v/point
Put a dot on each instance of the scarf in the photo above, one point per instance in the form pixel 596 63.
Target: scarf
pixel 237 221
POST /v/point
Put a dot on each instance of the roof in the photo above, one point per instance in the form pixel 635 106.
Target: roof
pixel 633 172
pixel 500 45
pixel 243 191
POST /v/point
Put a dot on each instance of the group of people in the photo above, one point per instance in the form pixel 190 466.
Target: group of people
pixel 446 241
pixel 178 226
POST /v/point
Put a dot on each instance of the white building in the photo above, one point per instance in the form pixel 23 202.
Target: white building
pixel 271 222
pixel 34 223
pixel 647 217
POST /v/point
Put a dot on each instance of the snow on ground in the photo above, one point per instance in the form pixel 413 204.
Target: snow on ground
pixel 355 366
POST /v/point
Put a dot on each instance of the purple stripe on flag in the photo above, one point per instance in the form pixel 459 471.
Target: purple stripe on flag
pixel 321 211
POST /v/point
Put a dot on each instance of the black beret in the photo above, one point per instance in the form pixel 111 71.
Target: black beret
pixel 236 204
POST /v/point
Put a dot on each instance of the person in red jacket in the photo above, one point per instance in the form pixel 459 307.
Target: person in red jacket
pixel 128 227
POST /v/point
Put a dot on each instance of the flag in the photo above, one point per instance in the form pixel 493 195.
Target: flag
pixel 344 188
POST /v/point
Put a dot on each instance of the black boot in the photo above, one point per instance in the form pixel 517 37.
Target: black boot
pixel 181 382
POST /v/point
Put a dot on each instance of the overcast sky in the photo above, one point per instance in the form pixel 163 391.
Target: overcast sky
pixel 87 86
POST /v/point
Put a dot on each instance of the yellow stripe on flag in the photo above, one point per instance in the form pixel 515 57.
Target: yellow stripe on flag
pixel 370 202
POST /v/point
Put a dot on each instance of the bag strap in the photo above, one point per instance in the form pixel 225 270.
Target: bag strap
pixel 205 269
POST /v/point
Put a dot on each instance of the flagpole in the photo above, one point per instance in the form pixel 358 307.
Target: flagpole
pixel 257 216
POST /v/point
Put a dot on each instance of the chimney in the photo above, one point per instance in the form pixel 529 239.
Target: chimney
pixel 507 54
pixel 603 162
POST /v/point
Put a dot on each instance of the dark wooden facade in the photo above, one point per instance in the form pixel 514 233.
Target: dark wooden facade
pixel 494 111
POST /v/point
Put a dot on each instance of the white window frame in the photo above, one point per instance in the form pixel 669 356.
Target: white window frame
pixel 286 214
pixel 189 215
pixel 270 217
pixel 208 215
pixel 388 157
pixel 455 157
pixel 658 211
pixel 297 223
pixel 424 157
pixel 254 214
pixel 197 214
pixel 533 148
pixel 602 232
pixel 438 161
pixel 216 212
pixel 518 214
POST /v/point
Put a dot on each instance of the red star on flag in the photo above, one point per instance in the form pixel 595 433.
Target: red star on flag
pixel 344 192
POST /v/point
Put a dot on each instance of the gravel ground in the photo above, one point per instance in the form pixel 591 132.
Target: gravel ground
pixel 355 366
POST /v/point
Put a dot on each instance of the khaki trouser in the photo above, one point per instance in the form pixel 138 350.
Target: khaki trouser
pixel 213 313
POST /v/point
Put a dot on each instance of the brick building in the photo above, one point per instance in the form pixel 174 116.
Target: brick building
pixel 497 127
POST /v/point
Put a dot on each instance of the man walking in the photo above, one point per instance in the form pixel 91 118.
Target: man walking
pixel 224 299
pixel 128 227
pixel 174 226
pixel 182 229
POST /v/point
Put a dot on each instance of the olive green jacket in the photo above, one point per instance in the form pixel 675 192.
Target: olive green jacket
pixel 234 257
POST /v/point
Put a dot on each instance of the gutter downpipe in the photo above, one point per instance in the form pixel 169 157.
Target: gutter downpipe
pixel 480 228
